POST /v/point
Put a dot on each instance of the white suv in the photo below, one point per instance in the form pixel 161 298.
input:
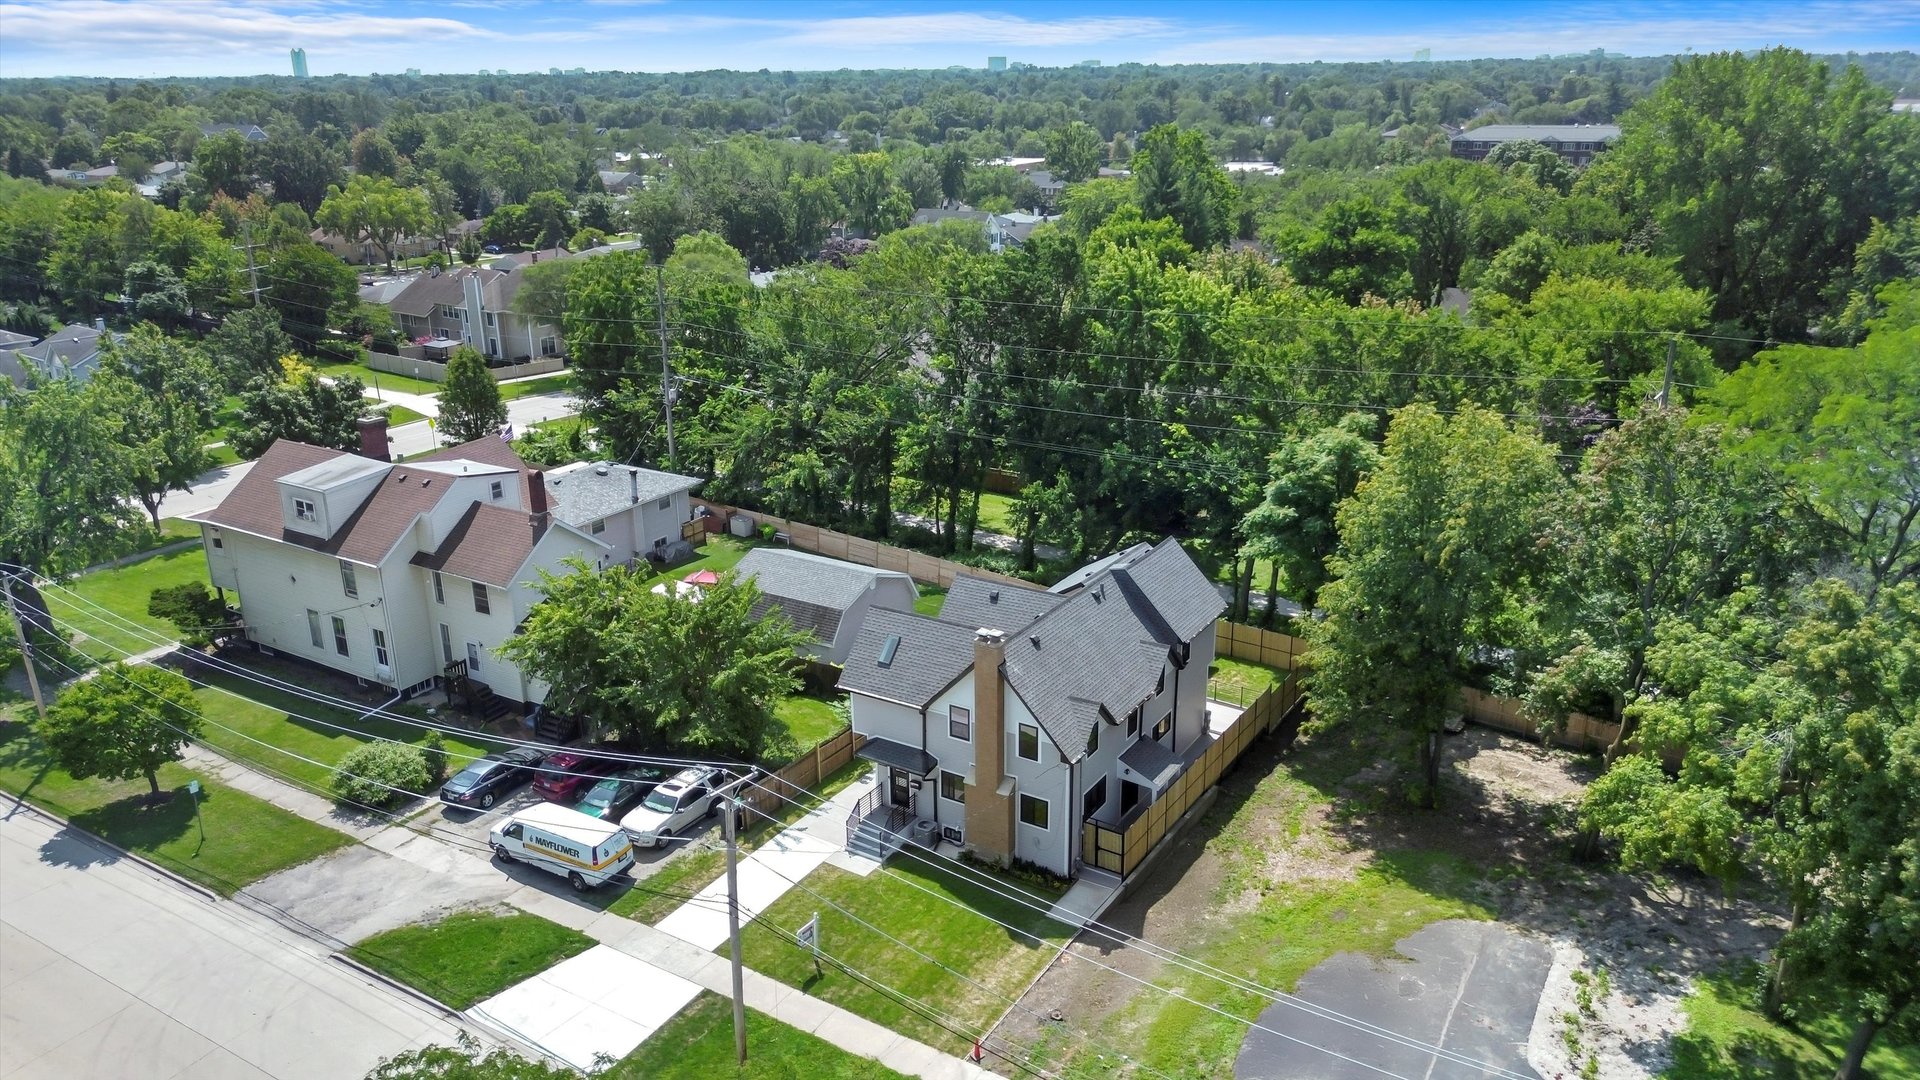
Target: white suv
pixel 672 808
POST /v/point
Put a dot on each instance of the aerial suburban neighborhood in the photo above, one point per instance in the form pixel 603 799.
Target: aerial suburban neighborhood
pixel 670 542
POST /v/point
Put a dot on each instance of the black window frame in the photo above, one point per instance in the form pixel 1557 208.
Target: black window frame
pixel 961 726
pixel 1089 804
pixel 1028 735
pixel 481 605
pixel 951 782
pixel 1045 815
pixel 1165 725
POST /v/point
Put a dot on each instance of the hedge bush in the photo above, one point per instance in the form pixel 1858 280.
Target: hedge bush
pixel 368 774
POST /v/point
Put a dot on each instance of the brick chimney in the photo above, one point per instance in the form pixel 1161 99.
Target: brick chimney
pixel 537 514
pixel 373 437
pixel 990 799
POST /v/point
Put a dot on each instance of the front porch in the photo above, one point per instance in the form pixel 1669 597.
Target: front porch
pixel 900 808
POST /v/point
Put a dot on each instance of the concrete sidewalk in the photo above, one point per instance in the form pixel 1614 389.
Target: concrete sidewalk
pixel 767 874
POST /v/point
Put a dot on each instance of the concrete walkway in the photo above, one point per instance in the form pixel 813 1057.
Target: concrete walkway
pixel 603 1001
pixel 668 961
pixel 767 874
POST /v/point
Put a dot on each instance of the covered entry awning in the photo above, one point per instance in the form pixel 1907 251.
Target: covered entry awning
pixel 898 755
pixel 1147 762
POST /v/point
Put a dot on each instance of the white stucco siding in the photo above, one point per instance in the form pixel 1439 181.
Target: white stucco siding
pixel 1190 710
pixel 279 583
pixel 878 719
pixel 1103 762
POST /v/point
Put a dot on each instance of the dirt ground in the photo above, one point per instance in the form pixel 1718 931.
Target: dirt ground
pixel 1323 810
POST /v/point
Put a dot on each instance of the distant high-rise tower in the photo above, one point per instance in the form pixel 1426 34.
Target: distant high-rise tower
pixel 996 63
pixel 299 62
pixel 1423 54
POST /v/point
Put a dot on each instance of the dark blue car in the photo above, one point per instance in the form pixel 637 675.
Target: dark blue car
pixel 480 785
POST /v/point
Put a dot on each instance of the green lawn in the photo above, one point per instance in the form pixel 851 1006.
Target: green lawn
pixel 996 513
pixel 545 384
pixel 962 938
pixel 400 414
pixel 1728 1038
pixel 698 1045
pixel 124 592
pixel 720 553
pixel 266 714
pixel 246 839
pixel 656 896
pixel 385 380
pixel 809 719
pixel 225 455
pixel 1240 681
pixel 931 598
pixel 472 955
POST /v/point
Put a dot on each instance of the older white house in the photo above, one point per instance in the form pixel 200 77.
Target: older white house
pixel 1019 714
pixel 635 512
pixel 399 574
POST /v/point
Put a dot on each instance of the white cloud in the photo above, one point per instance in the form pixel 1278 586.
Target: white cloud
pixel 214 26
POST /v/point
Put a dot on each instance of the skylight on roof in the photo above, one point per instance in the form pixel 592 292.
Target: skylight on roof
pixel 887 650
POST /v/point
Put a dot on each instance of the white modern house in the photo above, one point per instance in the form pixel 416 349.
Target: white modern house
pixel 826 598
pixel 399 574
pixel 1019 714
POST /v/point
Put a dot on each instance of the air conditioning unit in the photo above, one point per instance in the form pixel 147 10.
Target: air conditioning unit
pixel 384 674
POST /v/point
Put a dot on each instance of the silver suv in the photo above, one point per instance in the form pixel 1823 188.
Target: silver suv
pixel 673 808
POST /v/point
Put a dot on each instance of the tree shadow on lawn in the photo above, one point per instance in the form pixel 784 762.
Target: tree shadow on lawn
pixel 135 822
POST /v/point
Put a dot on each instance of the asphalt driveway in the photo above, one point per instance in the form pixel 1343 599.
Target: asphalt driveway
pixel 1468 987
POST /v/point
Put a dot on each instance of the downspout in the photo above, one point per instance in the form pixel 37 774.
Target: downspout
pixel 1074 816
pixel 1173 729
pixel 923 784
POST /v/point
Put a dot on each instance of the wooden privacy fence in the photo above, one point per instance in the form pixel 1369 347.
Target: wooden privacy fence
pixel 921 567
pixel 803 774
pixel 1120 848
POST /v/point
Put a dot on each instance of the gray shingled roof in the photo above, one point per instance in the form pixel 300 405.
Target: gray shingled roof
pixel 1154 763
pixel 974 603
pixel 930 656
pixel 1541 133
pixel 1099 566
pixel 1107 644
pixel 581 494
pixel 812 591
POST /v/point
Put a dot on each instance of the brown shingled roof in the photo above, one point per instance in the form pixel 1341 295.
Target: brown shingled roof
pixel 488 543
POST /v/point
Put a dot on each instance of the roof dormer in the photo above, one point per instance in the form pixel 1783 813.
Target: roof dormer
pixel 318 499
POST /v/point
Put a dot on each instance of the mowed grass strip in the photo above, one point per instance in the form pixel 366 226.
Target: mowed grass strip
pixel 246 839
pixel 977 967
pixel 470 956
pixel 545 384
pixel 284 733
pixel 76 605
pixel 1728 1037
pixel 809 718
pixel 697 1044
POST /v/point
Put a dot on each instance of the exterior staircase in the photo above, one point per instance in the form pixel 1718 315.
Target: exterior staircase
pixel 875 830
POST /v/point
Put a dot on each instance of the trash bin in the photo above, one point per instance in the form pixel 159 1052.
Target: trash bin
pixel 922 833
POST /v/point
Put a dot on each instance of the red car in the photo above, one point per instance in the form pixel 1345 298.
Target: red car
pixel 569 773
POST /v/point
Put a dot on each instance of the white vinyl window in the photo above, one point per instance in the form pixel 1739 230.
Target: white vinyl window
pixel 313 628
pixel 303 509
pixel 446 643
pixel 480 599
pixel 349 581
pixel 340 635
pixel 380 647
pixel 439 591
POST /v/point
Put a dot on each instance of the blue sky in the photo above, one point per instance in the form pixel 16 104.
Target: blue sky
pixel 134 38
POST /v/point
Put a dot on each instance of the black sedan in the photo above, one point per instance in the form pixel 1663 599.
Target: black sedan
pixel 612 797
pixel 480 785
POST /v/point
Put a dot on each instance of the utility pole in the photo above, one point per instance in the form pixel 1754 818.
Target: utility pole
pixel 1666 384
pixel 33 677
pixel 732 827
pixel 666 396
pixel 253 269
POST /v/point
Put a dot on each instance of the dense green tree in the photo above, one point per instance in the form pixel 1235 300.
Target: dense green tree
pixel 168 391
pixel 1073 151
pixel 470 403
pixel 309 288
pixel 1437 546
pixel 1174 176
pixel 246 345
pixel 657 667
pixel 66 476
pixel 874 202
pixel 301 168
pixel 126 722
pixel 375 210
pixel 466 1061
pixel 301 407
pixel 197 614
pixel 1352 254
pixel 1294 524
pixel 223 164
pixel 374 155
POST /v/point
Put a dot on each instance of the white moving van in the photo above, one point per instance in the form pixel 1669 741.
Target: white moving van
pixel 583 849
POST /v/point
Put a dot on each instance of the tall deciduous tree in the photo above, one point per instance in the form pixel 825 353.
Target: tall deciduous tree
pixel 1294 524
pixel 1073 151
pixel 167 390
pixel 658 667
pixel 470 404
pixel 376 210
pixel 301 407
pixel 66 475
pixel 1433 547
pixel 1844 426
pixel 125 722
pixel 1352 253
pixel 247 345
pixel 874 202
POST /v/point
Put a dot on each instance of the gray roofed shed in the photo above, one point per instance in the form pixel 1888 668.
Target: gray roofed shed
pixel 819 594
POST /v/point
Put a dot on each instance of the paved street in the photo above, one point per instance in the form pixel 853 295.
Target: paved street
pixel 207 491
pixel 107 969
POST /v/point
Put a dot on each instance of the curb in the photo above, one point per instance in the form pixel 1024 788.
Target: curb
pixel 396 985
pixel 20 802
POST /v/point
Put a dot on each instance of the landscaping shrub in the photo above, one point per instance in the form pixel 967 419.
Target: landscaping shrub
pixel 434 750
pixel 368 774
pixel 192 608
